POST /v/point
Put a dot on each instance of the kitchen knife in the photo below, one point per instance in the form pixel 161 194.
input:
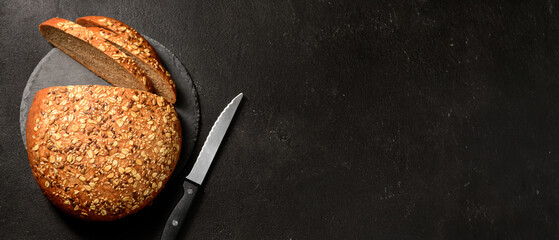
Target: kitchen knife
pixel 200 168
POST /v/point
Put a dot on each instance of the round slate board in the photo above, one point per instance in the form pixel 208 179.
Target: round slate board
pixel 58 69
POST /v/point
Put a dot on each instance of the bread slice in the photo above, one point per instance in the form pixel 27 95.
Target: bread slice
pixel 101 153
pixel 96 54
pixel 137 47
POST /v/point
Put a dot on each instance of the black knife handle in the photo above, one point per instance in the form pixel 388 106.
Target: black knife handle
pixel 178 215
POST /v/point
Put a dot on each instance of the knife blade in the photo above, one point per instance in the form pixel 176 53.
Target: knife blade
pixel 196 176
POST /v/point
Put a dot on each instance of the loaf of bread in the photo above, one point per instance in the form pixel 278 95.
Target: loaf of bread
pixel 96 54
pixel 101 153
pixel 136 46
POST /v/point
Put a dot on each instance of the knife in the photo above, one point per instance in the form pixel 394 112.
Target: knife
pixel 200 168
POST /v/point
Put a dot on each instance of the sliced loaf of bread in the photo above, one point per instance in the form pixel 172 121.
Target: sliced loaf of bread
pixel 101 153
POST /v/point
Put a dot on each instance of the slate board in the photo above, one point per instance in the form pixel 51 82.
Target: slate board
pixel 58 69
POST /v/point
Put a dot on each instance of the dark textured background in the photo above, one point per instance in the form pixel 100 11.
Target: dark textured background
pixel 374 120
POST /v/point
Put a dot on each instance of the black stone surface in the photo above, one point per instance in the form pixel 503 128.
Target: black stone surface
pixel 361 120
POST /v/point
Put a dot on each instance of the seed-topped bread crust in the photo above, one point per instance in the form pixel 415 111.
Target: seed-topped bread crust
pixel 136 46
pixel 101 153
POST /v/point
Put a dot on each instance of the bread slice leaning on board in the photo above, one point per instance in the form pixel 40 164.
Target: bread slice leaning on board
pixel 96 54
pixel 136 46
pixel 101 153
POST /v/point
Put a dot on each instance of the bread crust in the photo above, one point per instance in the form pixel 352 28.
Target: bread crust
pixel 101 153
pixel 135 44
pixel 102 49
